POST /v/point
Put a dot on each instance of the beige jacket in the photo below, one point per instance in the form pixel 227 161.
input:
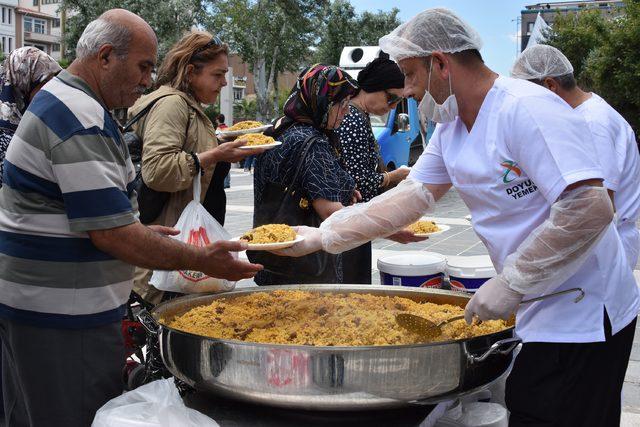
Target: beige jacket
pixel 167 164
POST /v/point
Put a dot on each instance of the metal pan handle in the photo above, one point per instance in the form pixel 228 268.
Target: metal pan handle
pixel 577 299
pixel 148 322
pixel 504 346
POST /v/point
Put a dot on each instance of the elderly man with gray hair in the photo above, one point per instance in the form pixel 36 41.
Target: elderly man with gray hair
pixel 70 237
pixel 615 141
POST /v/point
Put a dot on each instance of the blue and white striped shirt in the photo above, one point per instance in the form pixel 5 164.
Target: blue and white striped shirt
pixel 67 171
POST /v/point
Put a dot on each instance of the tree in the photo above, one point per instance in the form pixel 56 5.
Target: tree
pixel 579 34
pixel 270 36
pixel 170 19
pixel 605 56
pixel 345 28
pixel 338 32
pixel 615 66
pixel 372 26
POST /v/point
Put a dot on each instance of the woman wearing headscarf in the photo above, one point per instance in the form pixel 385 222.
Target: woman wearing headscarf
pixel 316 106
pixel 22 75
pixel 381 84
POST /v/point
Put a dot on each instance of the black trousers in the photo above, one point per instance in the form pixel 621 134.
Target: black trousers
pixel 356 265
pixel 59 377
pixel 570 384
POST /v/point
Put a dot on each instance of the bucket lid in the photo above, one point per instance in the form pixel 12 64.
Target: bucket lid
pixel 412 263
pixel 473 267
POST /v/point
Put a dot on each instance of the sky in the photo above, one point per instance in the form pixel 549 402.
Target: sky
pixel 495 20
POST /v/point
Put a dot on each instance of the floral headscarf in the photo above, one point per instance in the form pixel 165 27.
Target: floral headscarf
pixel 21 71
pixel 319 87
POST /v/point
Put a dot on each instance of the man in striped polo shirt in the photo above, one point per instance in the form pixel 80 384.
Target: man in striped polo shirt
pixel 69 234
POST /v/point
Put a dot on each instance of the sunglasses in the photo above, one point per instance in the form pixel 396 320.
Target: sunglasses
pixel 215 41
pixel 391 98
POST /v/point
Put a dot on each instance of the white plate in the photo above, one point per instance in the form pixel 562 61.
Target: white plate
pixel 228 134
pixel 273 246
pixel 442 228
pixel 264 146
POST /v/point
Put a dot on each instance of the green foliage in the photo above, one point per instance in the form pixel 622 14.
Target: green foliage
pixel 579 34
pixel 372 26
pixel 338 31
pixel 283 95
pixel 212 112
pixel 245 110
pixel 605 56
pixel 170 19
pixel 270 35
pixel 343 27
pixel 64 63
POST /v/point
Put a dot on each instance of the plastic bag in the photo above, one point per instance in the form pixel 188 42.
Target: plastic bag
pixel 157 404
pixel 197 227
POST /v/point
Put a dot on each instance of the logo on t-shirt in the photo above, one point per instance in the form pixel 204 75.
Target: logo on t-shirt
pixel 511 173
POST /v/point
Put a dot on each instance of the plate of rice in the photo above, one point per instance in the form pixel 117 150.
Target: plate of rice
pixel 426 228
pixel 270 237
pixel 242 128
pixel 258 140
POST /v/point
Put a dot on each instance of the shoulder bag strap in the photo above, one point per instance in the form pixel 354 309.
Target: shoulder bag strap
pixel 141 113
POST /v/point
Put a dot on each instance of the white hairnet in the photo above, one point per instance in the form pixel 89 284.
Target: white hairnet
pixel 433 30
pixel 540 61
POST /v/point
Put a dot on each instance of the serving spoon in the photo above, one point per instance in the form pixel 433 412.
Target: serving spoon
pixel 429 329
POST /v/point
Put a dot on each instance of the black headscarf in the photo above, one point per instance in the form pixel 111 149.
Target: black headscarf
pixel 380 74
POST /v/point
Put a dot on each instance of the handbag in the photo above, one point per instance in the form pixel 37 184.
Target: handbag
pixel 150 201
pixel 287 205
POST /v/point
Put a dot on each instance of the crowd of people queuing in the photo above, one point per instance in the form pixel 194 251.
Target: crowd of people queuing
pixel 72 246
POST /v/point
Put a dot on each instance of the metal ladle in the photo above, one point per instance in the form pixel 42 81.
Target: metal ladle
pixel 428 329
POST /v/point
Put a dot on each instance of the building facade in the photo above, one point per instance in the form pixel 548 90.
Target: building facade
pixel 549 11
pixel 244 83
pixel 38 24
pixel 8 26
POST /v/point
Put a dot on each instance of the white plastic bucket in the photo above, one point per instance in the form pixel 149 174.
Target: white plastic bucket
pixel 468 273
pixel 417 269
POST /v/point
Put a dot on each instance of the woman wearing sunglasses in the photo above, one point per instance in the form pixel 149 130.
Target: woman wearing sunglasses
pixel 381 84
pixel 178 139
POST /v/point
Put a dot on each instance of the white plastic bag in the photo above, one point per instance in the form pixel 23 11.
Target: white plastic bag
pixel 156 404
pixel 197 227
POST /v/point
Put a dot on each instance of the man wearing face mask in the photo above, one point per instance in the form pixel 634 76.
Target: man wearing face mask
pixel 521 159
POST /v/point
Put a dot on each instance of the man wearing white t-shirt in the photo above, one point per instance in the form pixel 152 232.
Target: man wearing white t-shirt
pixel 614 139
pixel 523 161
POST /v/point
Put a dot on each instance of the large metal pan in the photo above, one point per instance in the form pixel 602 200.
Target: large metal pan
pixel 332 378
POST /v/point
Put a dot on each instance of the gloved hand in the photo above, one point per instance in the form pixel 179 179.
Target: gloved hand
pixel 494 300
pixel 312 242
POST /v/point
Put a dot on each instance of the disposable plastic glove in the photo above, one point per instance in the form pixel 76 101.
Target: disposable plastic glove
pixel 494 300
pixel 355 225
pixel 382 216
pixel 550 255
pixel 312 242
pixel 556 249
